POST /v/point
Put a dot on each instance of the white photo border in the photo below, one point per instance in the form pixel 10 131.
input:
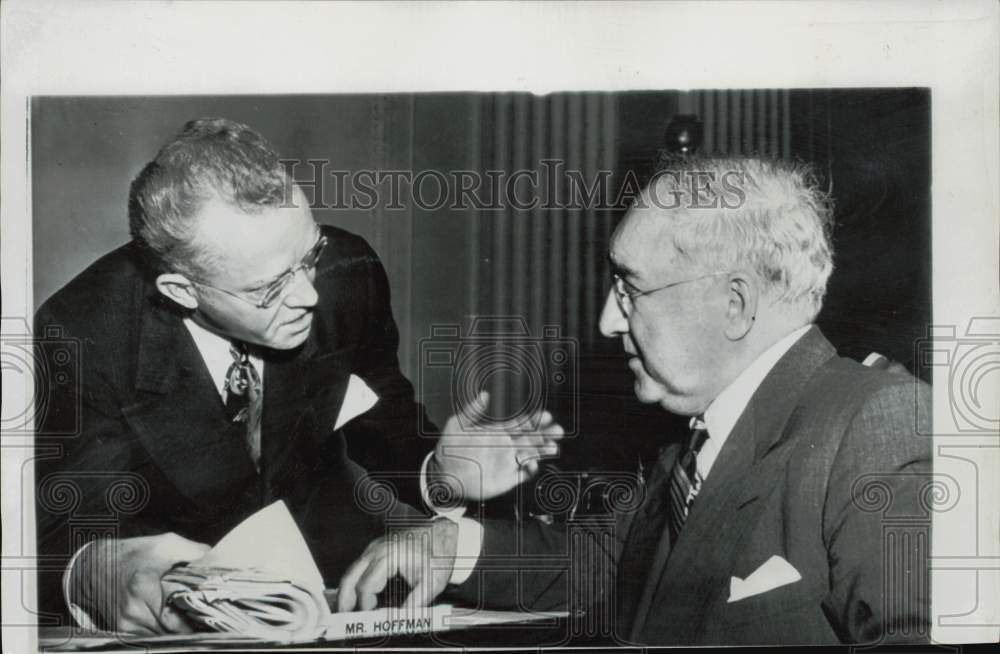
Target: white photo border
pixel 161 48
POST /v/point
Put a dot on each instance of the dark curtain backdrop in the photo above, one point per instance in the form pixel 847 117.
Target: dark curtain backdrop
pixel 545 266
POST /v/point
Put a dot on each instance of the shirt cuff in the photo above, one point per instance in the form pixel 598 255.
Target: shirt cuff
pixel 470 543
pixel 453 513
pixel 83 620
pixel 470 532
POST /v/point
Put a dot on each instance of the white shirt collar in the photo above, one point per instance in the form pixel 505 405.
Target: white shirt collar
pixel 726 409
pixel 214 350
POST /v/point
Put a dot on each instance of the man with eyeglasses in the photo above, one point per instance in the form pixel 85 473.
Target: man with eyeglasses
pixel 796 508
pixel 234 353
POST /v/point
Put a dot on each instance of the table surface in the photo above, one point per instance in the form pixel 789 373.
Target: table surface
pixel 553 632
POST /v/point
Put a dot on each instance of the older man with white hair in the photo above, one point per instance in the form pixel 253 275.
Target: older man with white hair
pixel 760 525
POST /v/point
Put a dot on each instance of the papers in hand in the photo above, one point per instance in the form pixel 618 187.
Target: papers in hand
pixel 259 581
pixel 248 603
pixel 267 540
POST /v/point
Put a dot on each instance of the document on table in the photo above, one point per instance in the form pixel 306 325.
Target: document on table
pixel 261 582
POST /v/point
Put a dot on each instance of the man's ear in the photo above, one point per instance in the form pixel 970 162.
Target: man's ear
pixel 178 288
pixel 741 311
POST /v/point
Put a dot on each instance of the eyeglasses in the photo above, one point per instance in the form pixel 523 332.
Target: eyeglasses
pixel 625 293
pixel 266 297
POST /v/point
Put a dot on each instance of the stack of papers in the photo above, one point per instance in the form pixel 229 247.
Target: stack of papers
pixel 261 582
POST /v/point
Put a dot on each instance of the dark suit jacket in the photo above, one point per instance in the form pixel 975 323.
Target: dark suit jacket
pixel 828 467
pixel 133 441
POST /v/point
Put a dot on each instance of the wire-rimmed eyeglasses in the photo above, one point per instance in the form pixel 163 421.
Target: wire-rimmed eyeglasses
pixel 265 297
pixel 626 293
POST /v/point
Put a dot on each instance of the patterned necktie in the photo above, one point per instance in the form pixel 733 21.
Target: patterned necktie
pixel 685 480
pixel 243 397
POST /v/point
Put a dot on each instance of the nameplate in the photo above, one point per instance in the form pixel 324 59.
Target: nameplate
pixel 385 622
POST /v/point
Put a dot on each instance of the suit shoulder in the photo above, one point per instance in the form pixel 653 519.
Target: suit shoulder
pixel 344 246
pixel 886 415
pixel 847 381
pixel 98 298
pixel 349 268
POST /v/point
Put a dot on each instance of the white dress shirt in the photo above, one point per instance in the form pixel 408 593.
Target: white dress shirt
pixel 214 350
pixel 470 532
pixel 726 409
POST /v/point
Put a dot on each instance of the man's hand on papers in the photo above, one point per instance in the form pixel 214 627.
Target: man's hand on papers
pixel 129 595
pixel 423 556
pixel 479 459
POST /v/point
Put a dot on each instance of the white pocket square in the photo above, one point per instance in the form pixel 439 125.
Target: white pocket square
pixel 775 572
pixel 358 399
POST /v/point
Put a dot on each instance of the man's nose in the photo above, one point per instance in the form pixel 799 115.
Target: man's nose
pixel 301 293
pixel 612 322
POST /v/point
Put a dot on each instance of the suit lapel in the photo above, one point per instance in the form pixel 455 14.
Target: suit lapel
pixel 645 548
pixel 727 507
pixel 691 569
pixel 303 392
pixel 301 401
pixel 180 417
pixel 178 414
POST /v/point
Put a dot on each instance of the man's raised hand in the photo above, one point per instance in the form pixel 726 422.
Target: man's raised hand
pixel 480 459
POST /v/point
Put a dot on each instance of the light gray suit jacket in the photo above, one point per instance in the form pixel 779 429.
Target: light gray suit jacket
pixel 829 468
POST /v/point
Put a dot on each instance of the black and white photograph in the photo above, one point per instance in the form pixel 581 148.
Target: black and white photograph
pixel 706 360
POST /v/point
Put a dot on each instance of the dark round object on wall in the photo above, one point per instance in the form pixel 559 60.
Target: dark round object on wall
pixel 684 134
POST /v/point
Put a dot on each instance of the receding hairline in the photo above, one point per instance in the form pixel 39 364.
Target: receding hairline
pixel 206 257
pixel 209 157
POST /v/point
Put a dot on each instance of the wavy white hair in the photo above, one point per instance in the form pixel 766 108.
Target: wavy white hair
pixel 761 215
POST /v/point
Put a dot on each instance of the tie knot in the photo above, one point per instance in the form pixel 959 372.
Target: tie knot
pixel 699 434
pixel 239 351
pixel 242 375
pixel 243 398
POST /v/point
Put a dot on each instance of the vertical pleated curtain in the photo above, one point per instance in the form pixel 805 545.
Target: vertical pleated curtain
pixel 756 121
pixel 548 266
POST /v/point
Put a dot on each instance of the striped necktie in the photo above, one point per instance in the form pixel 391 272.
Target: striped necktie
pixel 685 480
pixel 243 397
